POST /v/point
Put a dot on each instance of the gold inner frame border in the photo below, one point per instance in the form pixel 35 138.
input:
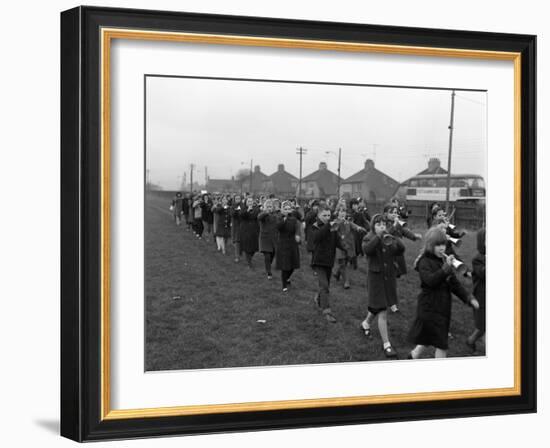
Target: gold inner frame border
pixel 107 35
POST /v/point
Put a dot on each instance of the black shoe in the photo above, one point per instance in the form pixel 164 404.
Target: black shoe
pixel 471 346
pixel 410 356
pixel 390 352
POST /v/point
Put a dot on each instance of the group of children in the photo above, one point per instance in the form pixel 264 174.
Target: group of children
pixel 336 234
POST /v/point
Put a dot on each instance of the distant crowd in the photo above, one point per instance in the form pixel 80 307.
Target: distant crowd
pixel 336 233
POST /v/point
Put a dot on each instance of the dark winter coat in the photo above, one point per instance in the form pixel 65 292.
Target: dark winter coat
pixel 177 204
pixel 287 253
pixel 207 214
pixel 359 218
pixel 310 219
pixel 401 231
pixel 478 277
pixel 222 222
pixel 433 313
pixel 324 244
pixel 235 211
pixel 381 270
pixel 249 230
pixel 268 231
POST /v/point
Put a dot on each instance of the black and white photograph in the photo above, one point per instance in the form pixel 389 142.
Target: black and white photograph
pixel 291 223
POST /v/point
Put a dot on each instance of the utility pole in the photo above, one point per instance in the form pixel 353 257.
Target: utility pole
pixel 451 127
pixel 250 176
pixel 300 151
pixel 339 164
pixel 192 167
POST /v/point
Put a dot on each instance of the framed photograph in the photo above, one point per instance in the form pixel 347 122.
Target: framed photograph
pixel 273 223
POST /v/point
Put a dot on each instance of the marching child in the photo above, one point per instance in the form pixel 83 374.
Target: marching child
pixel 177 207
pixel 398 229
pixel 346 233
pixel 236 226
pixel 288 253
pixel 380 248
pixel 324 235
pixel 222 228
pixel 438 281
pixel 478 277
pixel 198 226
pixel 268 234
pixel 249 229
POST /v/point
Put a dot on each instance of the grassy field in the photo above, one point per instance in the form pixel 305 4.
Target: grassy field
pixel 203 310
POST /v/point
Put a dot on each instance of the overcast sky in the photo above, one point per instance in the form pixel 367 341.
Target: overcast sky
pixel 222 125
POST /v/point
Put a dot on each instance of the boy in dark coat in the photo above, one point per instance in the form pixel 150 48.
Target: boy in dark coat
pixel 381 248
pixel 478 277
pixel 325 240
pixel 438 281
pixel 268 234
pixel 288 253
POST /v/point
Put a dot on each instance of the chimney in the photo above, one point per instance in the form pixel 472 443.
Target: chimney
pixel 280 167
pixel 257 169
pixel 369 164
pixel 323 166
pixel 434 164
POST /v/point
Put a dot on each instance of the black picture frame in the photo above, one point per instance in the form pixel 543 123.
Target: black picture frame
pixel 81 224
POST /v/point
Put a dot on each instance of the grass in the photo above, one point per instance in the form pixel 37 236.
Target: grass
pixel 217 319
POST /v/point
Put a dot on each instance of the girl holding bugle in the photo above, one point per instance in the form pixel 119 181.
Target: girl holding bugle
pixel 438 280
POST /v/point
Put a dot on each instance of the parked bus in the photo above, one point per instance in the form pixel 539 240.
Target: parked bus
pixel 433 188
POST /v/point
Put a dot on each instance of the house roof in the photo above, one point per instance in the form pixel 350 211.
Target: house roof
pixel 377 181
pixel 326 180
pixel 282 180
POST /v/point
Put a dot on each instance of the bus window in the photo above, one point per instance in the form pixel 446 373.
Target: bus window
pixel 413 183
pixel 476 182
pixel 458 183
pixel 441 183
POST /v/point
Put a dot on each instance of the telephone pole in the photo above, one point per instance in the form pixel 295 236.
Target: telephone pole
pixel 339 164
pixel 300 151
pixel 192 167
pixel 250 176
pixel 451 127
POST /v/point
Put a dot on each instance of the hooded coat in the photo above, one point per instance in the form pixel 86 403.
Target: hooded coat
pixel 433 312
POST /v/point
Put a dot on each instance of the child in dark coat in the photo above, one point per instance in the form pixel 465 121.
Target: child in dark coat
pixel 235 211
pixel 325 240
pixel 288 252
pixel 346 233
pixel 398 229
pixel 438 281
pixel 268 234
pixel 381 248
pixel 177 207
pixel 249 229
pixel 478 277
pixel 222 227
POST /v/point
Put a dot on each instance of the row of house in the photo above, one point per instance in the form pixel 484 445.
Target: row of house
pixel 369 182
